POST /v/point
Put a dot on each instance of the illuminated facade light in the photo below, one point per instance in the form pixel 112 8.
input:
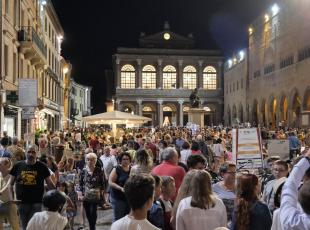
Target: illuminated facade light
pixel 266 17
pixel 235 60
pixel 250 30
pixel 241 55
pixel 275 9
pixel 60 37
pixel 65 70
pixel 229 63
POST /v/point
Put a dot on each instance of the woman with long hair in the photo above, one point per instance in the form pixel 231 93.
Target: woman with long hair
pixel 184 191
pixel 250 212
pixel 143 163
pixel 6 195
pixel 202 210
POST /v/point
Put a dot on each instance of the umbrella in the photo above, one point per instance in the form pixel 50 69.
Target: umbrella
pixel 115 117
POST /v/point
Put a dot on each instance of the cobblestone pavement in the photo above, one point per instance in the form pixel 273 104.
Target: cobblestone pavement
pixel 104 221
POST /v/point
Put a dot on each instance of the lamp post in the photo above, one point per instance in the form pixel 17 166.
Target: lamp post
pixel 65 71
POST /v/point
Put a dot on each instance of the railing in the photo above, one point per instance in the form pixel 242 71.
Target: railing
pixel 28 34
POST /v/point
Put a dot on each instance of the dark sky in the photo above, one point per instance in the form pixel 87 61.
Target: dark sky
pixel 94 28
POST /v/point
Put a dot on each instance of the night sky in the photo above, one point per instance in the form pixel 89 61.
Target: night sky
pixel 95 28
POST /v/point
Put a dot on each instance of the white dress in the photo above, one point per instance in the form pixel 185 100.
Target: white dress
pixel 190 218
pixel 129 223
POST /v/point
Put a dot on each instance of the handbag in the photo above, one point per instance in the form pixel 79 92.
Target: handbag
pixel 91 195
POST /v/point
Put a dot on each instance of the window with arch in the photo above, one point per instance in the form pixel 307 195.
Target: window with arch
pixel 185 108
pixel 189 77
pixel 167 109
pixel 147 109
pixel 169 77
pixel 209 78
pixel 149 77
pixel 128 77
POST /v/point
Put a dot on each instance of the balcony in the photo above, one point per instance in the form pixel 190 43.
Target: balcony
pixel 32 46
pixel 167 93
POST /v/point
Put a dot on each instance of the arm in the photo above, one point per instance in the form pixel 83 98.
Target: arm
pixel 290 216
pixel 7 185
pixel 179 220
pixel 112 181
pixel 50 183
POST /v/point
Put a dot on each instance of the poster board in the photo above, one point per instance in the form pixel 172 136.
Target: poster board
pixel 28 92
pixel 247 148
pixel 279 148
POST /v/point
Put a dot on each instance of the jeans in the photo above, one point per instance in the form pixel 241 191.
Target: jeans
pixel 26 211
pixel 120 208
pixel 91 214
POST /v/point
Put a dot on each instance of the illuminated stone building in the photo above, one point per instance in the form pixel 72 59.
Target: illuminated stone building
pixel 156 79
pixel 278 90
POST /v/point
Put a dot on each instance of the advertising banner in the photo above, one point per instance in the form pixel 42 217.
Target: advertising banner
pixel 247 149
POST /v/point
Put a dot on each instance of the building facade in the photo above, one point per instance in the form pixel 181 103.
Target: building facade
pixel 30 40
pixel 80 103
pixel 156 79
pixel 51 89
pixel 236 89
pixel 278 66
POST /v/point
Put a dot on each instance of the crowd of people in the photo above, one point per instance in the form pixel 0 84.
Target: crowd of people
pixel 152 178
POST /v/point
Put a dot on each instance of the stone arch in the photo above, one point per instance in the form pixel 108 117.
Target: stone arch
pixel 283 109
pixel 148 108
pixel 264 112
pixel 240 113
pixel 228 116
pixel 128 108
pixel 295 108
pixel 306 99
pixel 234 112
pixel 247 112
pixel 273 107
pixel 169 114
pixel 255 113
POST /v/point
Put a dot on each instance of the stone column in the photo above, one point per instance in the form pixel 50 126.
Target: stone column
pixel 160 112
pixel 181 112
pixel 139 104
pixel 19 123
pixel 118 73
pixel 200 75
pixel 159 76
pixel 139 74
pixel 180 74
pixel 219 77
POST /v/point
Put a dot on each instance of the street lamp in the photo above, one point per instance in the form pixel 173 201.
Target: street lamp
pixel 65 70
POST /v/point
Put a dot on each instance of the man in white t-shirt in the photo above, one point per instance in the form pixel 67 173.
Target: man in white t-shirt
pixel 140 202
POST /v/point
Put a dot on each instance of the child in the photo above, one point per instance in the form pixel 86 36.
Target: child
pixel 71 196
pixel 72 210
pixel 139 202
pixel 156 213
pixel 53 201
pixel 168 192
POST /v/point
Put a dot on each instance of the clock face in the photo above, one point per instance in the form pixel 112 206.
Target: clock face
pixel 166 36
